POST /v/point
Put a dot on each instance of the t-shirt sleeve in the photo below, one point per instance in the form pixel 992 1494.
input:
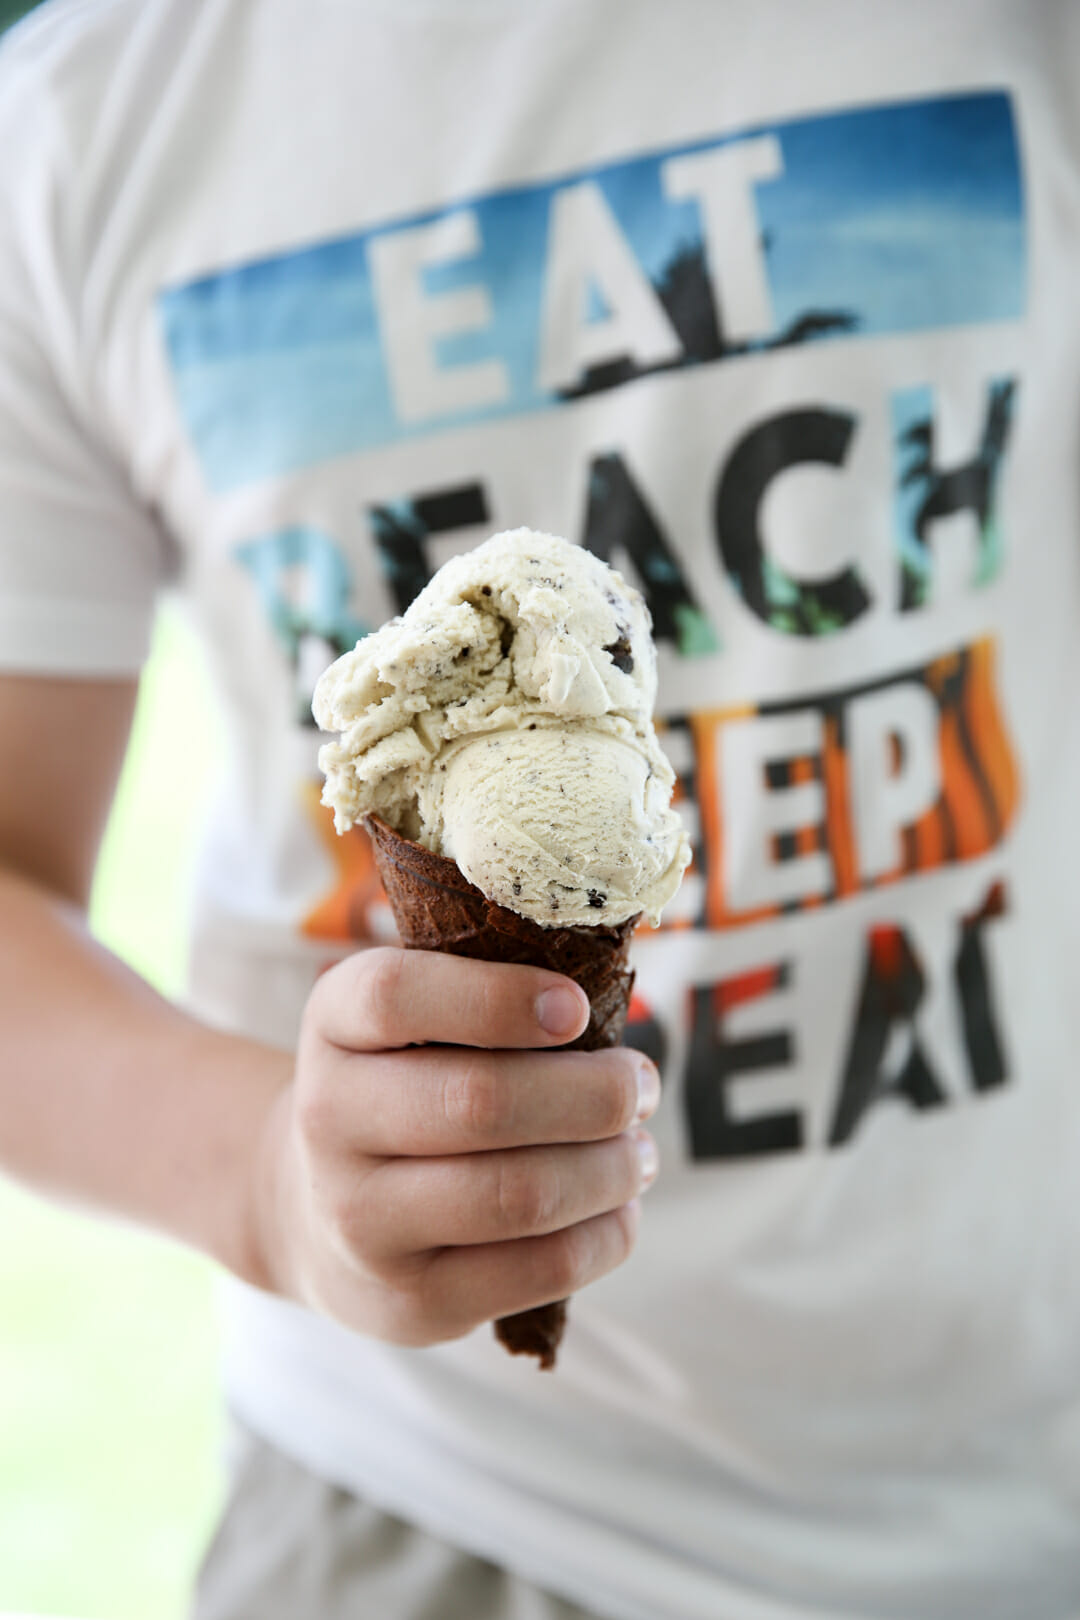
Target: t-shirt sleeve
pixel 81 558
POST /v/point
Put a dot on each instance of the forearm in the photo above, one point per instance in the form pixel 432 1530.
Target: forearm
pixel 111 1096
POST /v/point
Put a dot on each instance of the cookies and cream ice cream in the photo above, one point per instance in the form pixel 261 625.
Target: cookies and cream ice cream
pixel 505 721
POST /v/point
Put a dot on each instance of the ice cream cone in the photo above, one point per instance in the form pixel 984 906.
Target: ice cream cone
pixel 436 908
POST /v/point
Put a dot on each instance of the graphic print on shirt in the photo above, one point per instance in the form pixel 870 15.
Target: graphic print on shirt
pixel 880 220
pixel 890 224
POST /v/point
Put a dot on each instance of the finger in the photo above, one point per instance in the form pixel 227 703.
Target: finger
pixel 469 1285
pixel 443 1100
pixel 404 1206
pixel 385 998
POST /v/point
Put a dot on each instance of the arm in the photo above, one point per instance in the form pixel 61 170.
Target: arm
pixel 409 1191
pixel 108 1094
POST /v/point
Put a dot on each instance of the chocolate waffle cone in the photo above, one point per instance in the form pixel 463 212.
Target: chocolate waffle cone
pixel 436 908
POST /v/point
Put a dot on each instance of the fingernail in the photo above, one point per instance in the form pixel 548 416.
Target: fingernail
pixel 558 1011
pixel 648 1090
pixel 650 1159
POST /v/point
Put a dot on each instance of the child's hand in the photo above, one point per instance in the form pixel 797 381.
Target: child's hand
pixel 413 1191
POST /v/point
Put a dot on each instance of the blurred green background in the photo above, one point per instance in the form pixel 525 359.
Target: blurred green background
pixel 109 1421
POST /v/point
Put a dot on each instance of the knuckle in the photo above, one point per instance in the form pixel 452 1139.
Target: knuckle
pixel 330 990
pixel 570 1260
pixel 626 1225
pixel 403 1318
pixel 315 1115
pixel 586 1251
pixel 381 1267
pixel 411 1316
pixel 381 970
pixel 321 993
pixel 343 1218
pixel 369 1222
pixel 477 1099
pixel 350 1213
pixel 627 1172
pixel 616 1099
pixel 526 1195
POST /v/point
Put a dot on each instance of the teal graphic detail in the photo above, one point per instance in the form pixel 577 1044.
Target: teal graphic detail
pixel 317 604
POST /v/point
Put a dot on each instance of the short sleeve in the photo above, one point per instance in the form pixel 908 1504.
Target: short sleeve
pixel 81 558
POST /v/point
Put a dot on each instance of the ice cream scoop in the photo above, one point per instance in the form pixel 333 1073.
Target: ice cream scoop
pixel 505 721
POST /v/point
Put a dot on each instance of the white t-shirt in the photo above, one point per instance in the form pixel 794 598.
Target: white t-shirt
pixel 775 306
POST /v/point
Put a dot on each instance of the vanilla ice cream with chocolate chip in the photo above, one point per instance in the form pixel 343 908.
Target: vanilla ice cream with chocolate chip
pixel 505 721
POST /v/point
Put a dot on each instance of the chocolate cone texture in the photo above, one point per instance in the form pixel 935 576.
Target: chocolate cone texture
pixel 436 908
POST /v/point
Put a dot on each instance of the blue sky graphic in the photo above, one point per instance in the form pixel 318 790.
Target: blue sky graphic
pixel 904 217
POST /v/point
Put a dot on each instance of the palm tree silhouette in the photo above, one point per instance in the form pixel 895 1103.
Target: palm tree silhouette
pixel 815 323
pixel 969 487
pixel 685 291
